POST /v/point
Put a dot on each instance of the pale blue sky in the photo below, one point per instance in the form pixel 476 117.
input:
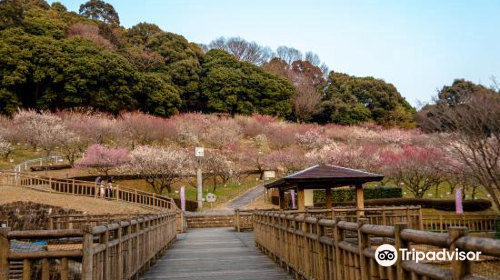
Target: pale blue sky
pixel 418 46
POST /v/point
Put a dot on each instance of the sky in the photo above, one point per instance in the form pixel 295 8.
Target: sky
pixel 419 46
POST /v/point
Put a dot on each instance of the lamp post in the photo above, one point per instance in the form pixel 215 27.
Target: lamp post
pixel 199 153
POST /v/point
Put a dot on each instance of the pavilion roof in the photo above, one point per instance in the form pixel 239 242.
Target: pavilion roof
pixel 324 176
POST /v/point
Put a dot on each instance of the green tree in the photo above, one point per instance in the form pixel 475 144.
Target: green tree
pixel 430 118
pixel 160 96
pixel 44 22
pixel 351 100
pixel 48 74
pixel 100 10
pixel 182 64
pixel 140 34
pixel 11 13
pixel 235 87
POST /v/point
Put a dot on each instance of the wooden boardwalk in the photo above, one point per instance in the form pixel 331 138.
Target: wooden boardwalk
pixel 215 254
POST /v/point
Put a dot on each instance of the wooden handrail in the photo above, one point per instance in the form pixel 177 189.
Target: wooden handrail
pixel 386 216
pixel 474 222
pixel 331 249
pixel 84 188
pixel 121 249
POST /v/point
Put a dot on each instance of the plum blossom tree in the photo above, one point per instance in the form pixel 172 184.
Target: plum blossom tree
pixel 160 166
pixel 365 157
pixel 468 114
pixel 39 130
pixel 312 139
pixel 6 148
pixel 225 132
pixel 71 145
pixel 143 129
pixel 419 169
pixel 92 127
pixel 218 166
pixel 289 160
pixel 103 160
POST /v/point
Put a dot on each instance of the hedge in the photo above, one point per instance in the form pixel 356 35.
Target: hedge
pixel 438 204
pixel 345 194
pixel 190 205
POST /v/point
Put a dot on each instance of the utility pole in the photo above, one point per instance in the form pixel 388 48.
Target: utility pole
pixel 199 153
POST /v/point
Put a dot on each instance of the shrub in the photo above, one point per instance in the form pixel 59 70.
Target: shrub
pixel 438 204
pixel 342 195
pixel 190 205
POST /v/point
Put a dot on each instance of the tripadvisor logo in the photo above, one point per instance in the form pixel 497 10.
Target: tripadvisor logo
pixel 386 255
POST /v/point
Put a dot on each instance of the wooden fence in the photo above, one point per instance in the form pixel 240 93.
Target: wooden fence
pixel 84 188
pixel 321 249
pixel 118 250
pixel 474 222
pixel 411 215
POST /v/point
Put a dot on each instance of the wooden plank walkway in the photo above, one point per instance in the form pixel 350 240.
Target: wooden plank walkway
pixel 215 254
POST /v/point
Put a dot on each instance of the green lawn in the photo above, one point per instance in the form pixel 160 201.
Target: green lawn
pixel 223 193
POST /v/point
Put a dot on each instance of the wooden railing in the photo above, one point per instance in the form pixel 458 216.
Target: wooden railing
pixel 411 215
pixel 77 221
pixel 113 251
pixel 386 216
pixel 326 249
pixel 474 222
pixel 83 188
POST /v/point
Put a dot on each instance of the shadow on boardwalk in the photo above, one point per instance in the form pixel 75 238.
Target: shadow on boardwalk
pixel 218 253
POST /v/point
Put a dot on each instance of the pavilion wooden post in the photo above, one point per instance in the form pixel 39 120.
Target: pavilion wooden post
pixel 282 198
pixel 300 199
pixel 360 201
pixel 328 201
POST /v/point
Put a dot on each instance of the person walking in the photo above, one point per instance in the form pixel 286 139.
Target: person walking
pixel 110 189
pixel 96 184
pixel 101 189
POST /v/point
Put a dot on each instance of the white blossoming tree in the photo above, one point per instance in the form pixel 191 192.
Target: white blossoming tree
pixel 160 166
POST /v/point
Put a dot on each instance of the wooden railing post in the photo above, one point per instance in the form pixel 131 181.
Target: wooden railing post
pixel 129 266
pixel 459 268
pixel 400 243
pixel 4 253
pixel 138 246
pixel 237 219
pixel 420 221
pixel 105 240
pixel 51 222
pixel 441 228
pixel 306 248
pixel 119 252
pixel 338 236
pixel 384 219
pixel 363 242
pixel 87 250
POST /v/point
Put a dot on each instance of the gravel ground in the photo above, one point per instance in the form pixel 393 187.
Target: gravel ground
pixel 80 203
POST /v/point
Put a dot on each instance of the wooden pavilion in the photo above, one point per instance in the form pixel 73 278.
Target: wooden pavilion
pixel 322 177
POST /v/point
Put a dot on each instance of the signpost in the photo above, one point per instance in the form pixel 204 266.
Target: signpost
pixel 199 153
pixel 269 174
pixel 211 198
pixel 183 198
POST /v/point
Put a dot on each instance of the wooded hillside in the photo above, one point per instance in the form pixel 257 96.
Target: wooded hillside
pixel 52 58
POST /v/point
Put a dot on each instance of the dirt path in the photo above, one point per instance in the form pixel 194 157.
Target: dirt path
pixel 238 202
pixel 247 198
